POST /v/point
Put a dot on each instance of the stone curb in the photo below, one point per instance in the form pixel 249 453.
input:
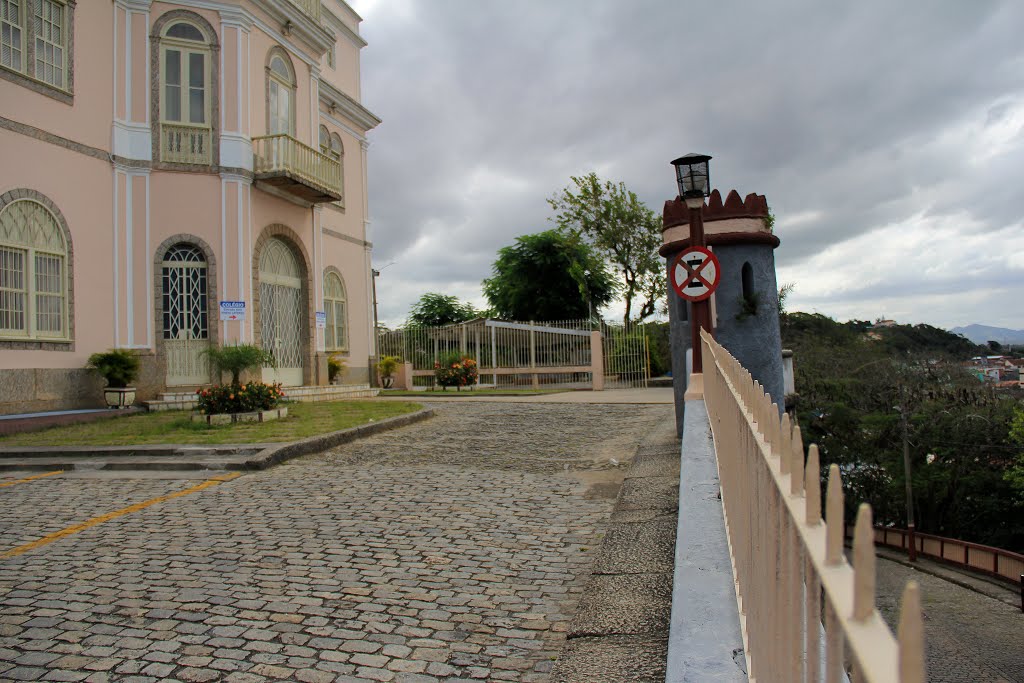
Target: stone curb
pixel 277 454
pixel 247 457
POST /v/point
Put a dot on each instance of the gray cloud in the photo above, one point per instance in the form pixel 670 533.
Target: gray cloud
pixel 849 116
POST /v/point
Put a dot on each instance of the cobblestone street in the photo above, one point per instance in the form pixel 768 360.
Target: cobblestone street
pixel 969 637
pixel 452 549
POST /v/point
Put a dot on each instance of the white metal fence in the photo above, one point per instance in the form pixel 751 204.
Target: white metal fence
pixel 806 614
pixel 525 354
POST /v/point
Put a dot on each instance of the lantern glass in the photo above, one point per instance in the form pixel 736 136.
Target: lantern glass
pixel 692 175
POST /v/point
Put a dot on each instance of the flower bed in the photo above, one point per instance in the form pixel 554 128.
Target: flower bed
pixel 455 370
pixel 238 398
pixel 231 418
pixel 230 403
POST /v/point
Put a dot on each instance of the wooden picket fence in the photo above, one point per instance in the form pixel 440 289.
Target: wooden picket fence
pixel 806 614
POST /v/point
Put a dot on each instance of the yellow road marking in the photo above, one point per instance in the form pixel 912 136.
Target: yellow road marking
pixel 50 538
pixel 35 476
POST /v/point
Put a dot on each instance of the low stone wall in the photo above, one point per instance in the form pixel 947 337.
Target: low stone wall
pixel 31 390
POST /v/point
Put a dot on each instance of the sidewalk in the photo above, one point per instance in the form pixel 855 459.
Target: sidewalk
pixel 33 422
pixel 187 458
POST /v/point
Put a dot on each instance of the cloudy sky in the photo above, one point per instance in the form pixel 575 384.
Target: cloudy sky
pixel 888 137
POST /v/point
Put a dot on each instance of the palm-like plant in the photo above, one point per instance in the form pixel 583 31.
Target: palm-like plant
pixel 118 366
pixel 239 358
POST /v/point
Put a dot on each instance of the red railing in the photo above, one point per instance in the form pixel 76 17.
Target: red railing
pixel 996 562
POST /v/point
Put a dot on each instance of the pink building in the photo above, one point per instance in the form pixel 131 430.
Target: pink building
pixel 163 158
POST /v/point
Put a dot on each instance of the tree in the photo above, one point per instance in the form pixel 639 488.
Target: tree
pixel 854 391
pixel 549 276
pixel 623 230
pixel 434 310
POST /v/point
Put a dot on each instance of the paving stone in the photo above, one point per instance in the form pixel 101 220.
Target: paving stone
pixel 458 537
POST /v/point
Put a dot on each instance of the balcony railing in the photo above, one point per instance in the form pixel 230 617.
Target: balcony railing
pixel 185 144
pixel 284 162
pixel 310 7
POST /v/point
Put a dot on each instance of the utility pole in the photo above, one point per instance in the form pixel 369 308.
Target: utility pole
pixel 911 542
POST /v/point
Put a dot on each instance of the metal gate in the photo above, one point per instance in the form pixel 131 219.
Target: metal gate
pixel 186 329
pixel 281 319
pixel 626 357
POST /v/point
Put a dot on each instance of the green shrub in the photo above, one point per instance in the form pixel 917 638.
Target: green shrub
pixel 388 365
pixel 238 358
pixel 335 367
pixel 234 398
pixel 455 369
pixel 119 367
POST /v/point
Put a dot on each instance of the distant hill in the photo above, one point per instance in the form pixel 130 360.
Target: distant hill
pixel 813 331
pixel 981 334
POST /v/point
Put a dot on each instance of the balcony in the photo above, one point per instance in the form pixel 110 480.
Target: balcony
pixel 182 144
pixel 285 164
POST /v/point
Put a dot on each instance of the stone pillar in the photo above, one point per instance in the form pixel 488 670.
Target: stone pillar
pixel 596 361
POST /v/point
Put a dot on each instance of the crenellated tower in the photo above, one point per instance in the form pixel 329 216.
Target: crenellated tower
pixel 744 308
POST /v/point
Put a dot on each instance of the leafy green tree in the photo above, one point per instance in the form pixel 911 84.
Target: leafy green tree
pixel 852 388
pixel 623 230
pixel 549 276
pixel 434 310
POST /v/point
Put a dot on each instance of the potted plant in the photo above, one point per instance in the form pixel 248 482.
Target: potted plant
pixel 335 369
pixel 387 367
pixel 119 367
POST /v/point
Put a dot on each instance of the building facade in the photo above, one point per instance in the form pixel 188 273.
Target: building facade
pixel 164 158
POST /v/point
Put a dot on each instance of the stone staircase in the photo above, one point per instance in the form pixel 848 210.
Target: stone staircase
pixel 186 400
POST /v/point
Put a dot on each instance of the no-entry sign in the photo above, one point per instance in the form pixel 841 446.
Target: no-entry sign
pixel 695 274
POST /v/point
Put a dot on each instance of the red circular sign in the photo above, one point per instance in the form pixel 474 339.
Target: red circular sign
pixel 695 274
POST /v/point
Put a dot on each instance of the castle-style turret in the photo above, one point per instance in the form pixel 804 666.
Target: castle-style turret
pixel 745 311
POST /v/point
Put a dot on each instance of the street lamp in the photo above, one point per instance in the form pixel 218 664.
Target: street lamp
pixel 694 181
pixel 692 177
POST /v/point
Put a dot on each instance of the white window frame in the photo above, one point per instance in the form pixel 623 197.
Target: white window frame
pixel 185 48
pixel 288 87
pixel 29 27
pixel 331 308
pixel 30 291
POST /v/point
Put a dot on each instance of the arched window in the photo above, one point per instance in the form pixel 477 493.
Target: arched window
pixel 748 299
pixel 747 274
pixel 337 151
pixel 325 141
pixel 336 333
pixel 338 154
pixel 280 94
pixel 186 120
pixel 33 273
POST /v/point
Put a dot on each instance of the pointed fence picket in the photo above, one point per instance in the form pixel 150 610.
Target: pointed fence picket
pixel 806 613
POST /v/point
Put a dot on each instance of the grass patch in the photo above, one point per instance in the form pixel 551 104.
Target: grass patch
pixel 175 427
pixel 469 393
